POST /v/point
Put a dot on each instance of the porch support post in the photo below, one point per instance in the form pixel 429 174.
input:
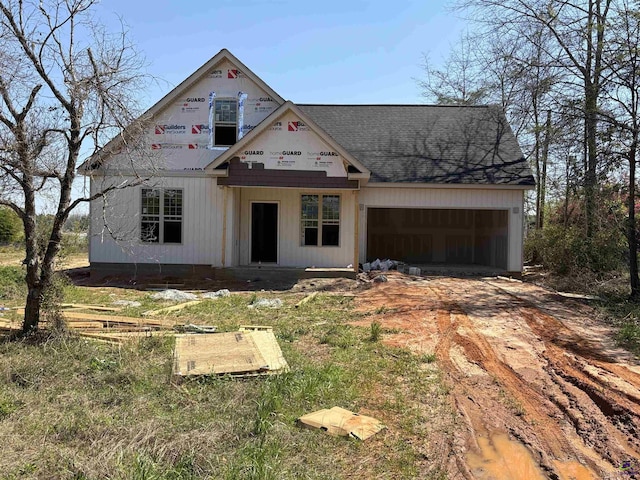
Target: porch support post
pixel 356 223
pixel 225 195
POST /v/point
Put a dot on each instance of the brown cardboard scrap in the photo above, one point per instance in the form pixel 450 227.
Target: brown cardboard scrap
pixel 338 421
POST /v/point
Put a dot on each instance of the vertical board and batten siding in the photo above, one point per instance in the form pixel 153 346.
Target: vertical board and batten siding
pixel 201 224
pixel 449 198
pixel 291 253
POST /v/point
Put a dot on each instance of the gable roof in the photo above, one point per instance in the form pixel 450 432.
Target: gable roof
pixel 173 95
pixel 286 107
pixel 192 79
pixel 427 143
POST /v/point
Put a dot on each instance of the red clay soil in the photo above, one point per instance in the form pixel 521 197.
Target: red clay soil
pixel 542 389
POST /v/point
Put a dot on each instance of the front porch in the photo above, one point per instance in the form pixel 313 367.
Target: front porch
pixel 266 227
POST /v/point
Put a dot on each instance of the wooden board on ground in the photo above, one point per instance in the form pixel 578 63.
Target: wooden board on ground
pixel 254 328
pixel 180 306
pixel 9 325
pixel 121 336
pixel 114 319
pixel 307 299
pixel 338 421
pixel 84 306
pixel 248 352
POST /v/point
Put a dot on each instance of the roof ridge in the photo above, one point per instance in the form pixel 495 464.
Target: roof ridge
pixel 390 105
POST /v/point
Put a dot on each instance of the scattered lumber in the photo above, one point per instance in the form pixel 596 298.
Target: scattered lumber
pixel 578 296
pixel 84 306
pixel 115 320
pixel 255 328
pixel 307 299
pixel 180 306
pixel 119 337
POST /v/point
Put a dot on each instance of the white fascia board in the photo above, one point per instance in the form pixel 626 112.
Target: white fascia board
pixel 473 186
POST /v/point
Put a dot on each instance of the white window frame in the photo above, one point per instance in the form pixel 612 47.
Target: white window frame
pixel 161 216
pixel 217 122
pixel 320 221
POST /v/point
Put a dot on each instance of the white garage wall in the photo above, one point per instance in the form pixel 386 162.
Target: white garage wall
pixel 451 198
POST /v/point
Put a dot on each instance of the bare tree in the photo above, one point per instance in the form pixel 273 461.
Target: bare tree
pixel 579 33
pixel 623 98
pixel 65 90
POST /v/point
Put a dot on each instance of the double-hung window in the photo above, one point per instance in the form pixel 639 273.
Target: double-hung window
pixel 320 220
pixel 161 216
pixel 225 122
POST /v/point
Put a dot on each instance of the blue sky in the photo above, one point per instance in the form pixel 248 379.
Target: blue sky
pixel 307 51
pixel 350 51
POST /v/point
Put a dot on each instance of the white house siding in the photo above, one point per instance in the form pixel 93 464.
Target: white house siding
pixel 290 251
pixel 448 198
pixel 201 227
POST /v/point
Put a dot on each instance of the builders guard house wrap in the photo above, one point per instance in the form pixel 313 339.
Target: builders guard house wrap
pixel 230 174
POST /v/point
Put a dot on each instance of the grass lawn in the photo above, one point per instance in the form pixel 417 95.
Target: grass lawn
pixel 76 408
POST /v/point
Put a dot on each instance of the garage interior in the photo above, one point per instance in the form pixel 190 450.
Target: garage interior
pixel 438 236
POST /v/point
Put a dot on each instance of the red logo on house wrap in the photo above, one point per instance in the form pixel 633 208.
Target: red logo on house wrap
pixel 196 129
pixel 293 126
pixel 156 146
pixel 232 73
pixel 193 146
pixel 159 129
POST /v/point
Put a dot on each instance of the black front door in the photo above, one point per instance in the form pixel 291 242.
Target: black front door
pixel 264 232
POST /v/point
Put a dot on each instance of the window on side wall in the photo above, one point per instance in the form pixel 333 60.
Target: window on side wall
pixel 161 216
pixel 225 122
pixel 320 220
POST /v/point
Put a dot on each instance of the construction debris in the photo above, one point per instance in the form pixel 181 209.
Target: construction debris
pixel 191 328
pixel 174 295
pixel 306 299
pixel 255 328
pixel 173 308
pixel 83 306
pixel 578 296
pixel 219 294
pixel 234 353
pixel 341 422
pixel 380 279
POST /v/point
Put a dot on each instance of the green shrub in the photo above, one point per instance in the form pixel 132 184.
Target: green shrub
pixel 12 284
pixel 10 226
pixel 565 250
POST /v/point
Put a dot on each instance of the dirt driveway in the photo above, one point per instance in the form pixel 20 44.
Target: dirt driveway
pixel 542 390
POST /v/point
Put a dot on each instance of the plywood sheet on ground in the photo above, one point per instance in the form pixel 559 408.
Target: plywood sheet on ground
pixel 232 352
pixel 338 421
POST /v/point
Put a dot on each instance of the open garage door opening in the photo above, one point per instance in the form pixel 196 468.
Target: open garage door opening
pixel 438 236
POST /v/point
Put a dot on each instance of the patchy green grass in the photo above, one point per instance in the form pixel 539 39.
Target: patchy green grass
pixel 74 408
pixel 624 315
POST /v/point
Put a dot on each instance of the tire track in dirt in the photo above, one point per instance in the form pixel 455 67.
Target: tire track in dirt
pixel 531 402
pixel 522 372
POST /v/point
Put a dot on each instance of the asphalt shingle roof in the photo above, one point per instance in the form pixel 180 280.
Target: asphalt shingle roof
pixel 427 143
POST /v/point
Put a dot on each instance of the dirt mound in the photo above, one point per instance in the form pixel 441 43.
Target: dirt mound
pixel 543 391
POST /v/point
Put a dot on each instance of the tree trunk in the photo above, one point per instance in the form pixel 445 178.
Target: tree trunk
pixel 545 160
pixel 32 310
pixel 631 227
pixel 590 177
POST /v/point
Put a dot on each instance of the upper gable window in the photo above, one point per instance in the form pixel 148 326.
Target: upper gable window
pixel 225 122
